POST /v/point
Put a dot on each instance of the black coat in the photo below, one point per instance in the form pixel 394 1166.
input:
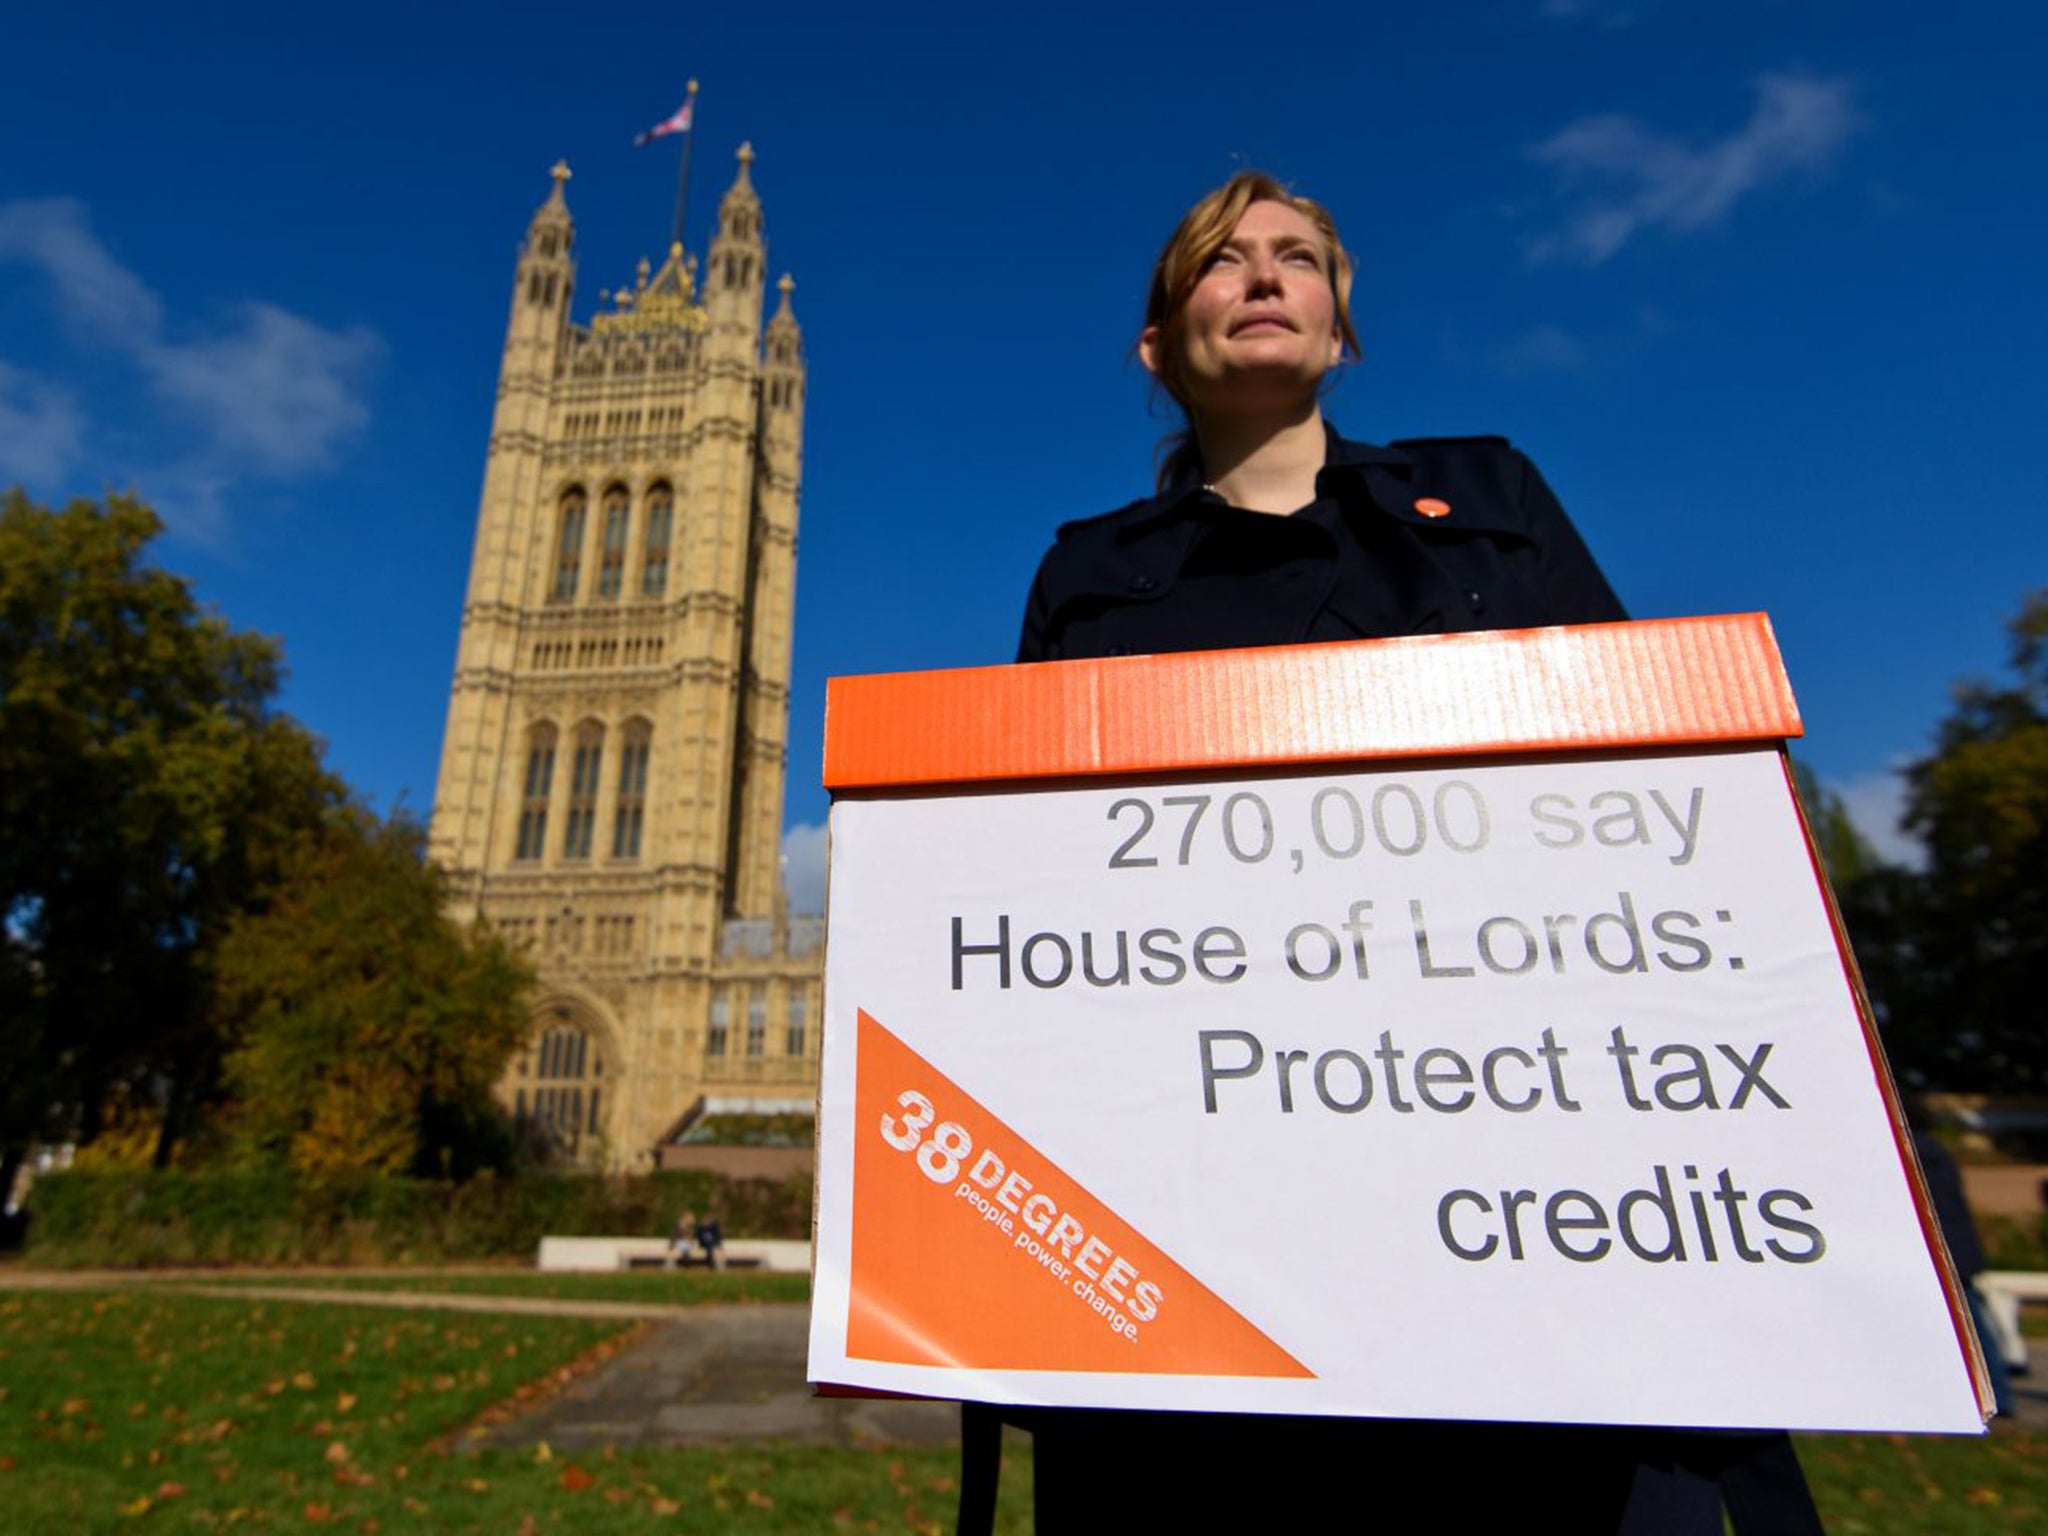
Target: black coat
pixel 1173 572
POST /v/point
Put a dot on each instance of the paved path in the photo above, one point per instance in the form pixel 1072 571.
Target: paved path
pixel 719 1376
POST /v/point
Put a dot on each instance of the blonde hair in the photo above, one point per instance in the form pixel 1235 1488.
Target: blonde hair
pixel 1203 231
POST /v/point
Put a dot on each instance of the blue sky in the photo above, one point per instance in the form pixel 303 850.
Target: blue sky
pixel 1757 283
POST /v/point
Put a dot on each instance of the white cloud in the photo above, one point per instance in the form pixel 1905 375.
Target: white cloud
pixel 269 393
pixel 40 430
pixel 803 867
pixel 1875 801
pixel 1636 180
pixel 94 291
pixel 1542 348
pixel 277 393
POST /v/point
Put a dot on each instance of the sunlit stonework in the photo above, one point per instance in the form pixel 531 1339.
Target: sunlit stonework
pixel 611 782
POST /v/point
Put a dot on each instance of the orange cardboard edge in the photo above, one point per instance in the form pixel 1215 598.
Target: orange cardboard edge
pixel 1664 682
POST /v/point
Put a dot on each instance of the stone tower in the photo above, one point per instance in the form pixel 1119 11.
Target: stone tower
pixel 612 775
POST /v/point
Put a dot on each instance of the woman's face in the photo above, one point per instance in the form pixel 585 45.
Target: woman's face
pixel 1259 330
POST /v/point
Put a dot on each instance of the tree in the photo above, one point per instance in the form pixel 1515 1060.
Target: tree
pixel 148 793
pixel 1970 1004
pixel 367 1026
pixel 1843 847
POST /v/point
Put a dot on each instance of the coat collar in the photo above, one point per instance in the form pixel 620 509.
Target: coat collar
pixel 1382 471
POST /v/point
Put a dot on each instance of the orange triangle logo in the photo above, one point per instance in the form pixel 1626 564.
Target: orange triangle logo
pixel 971 1250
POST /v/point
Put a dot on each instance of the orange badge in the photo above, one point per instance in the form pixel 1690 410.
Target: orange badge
pixel 1429 506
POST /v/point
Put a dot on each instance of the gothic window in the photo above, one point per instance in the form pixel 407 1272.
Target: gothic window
pixel 568 548
pixel 654 558
pixel 632 803
pixel 757 1020
pixel 721 1023
pixel 533 800
pixel 793 1040
pixel 611 559
pixel 583 777
pixel 567 1069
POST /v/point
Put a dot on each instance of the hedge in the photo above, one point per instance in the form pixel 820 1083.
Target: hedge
pixel 130 1218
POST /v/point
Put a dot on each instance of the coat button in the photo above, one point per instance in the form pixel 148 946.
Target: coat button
pixel 1478 602
pixel 1143 583
pixel 1119 650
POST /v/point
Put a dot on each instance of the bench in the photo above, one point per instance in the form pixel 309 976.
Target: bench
pixel 2003 1291
pixel 599 1255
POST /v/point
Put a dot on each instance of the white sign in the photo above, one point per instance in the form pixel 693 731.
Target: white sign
pixel 1528 1091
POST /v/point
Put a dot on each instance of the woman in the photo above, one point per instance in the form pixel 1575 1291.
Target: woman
pixel 1269 529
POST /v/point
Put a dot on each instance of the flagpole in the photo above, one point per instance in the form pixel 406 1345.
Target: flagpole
pixel 683 178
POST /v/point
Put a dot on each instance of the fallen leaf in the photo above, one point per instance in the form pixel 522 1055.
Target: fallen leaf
pixel 319 1514
pixel 665 1506
pixel 528 1526
pixel 137 1506
pixel 759 1499
pixel 618 1495
pixel 170 1490
pixel 1984 1496
pixel 305 1381
pixel 74 1406
pixel 575 1479
pixel 337 1453
pixel 543 1452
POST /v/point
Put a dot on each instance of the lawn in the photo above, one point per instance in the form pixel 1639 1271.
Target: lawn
pixel 682 1288
pixel 144 1410
pixel 148 1410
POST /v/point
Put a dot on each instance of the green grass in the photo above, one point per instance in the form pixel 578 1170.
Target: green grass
pixel 1918 1485
pixel 148 1410
pixel 684 1288
pixel 145 1410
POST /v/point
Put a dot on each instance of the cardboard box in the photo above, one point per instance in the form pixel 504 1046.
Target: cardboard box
pixel 1330 1029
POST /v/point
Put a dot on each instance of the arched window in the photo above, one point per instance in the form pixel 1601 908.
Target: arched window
pixel 631 810
pixel 793 1040
pixel 583 775
pixel 661 504
pixel 567 1070
pixel 533 800
pixel 757 1020
pixel 611 548
pixel 721 1023
pixel 568 547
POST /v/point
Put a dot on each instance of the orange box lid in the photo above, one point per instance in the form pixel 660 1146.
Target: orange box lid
pixel 1652 683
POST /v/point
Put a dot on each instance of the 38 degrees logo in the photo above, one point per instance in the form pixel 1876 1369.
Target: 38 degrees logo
pixel 1097 1275
pixel 971 1249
